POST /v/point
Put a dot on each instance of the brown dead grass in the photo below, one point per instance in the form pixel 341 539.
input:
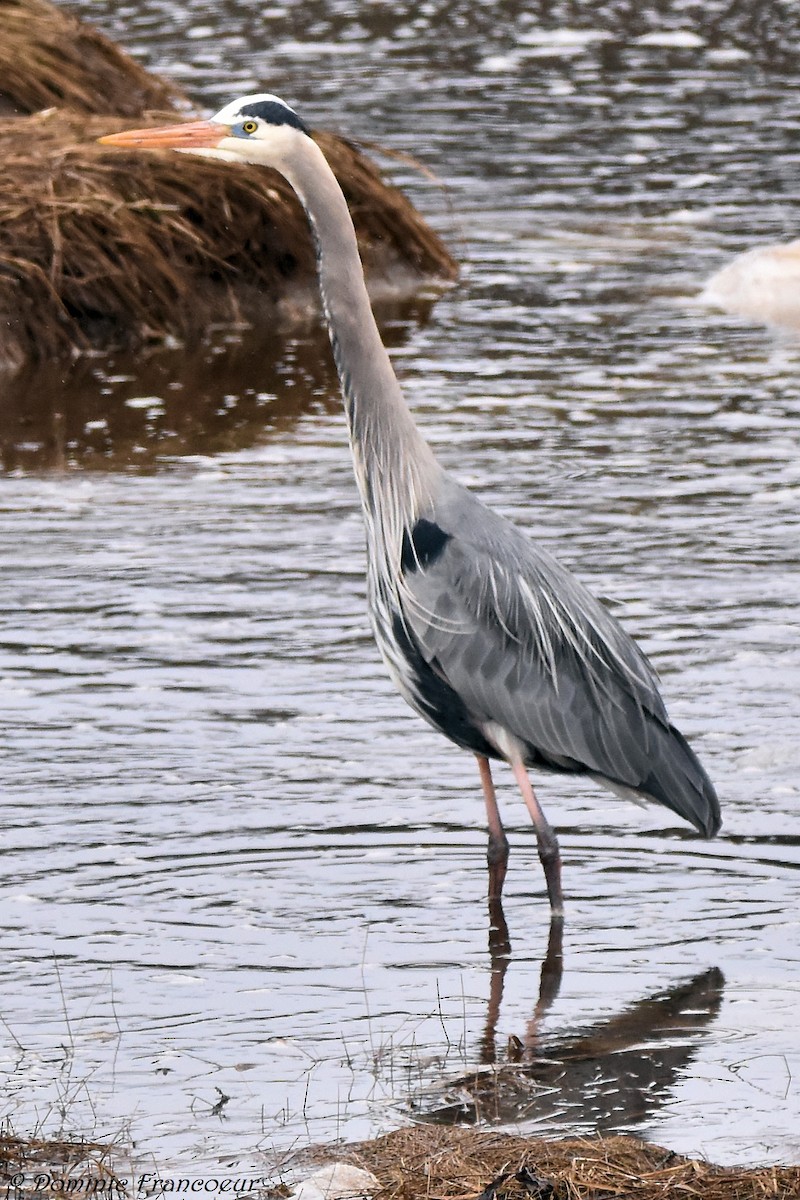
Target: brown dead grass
pixel 426 1162
pixel 49 58
pixel 430 1163
pixel 105 249
pixel 27 1165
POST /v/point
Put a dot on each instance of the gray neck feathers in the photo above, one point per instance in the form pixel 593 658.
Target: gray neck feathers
pixel 395 468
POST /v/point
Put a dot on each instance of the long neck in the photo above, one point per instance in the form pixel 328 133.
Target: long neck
pixel 395 468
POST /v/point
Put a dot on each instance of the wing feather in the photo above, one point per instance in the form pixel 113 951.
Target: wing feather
pixel 526 647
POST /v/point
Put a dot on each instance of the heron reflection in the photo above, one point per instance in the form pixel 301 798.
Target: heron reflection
pixel 608 1076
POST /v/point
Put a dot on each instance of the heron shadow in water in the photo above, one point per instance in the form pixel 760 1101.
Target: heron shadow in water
pixel 609 1076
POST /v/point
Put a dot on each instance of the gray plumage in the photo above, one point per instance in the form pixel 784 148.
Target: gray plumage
pixel 526 647
pixel 487 636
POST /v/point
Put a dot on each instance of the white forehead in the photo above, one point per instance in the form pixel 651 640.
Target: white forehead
pixel 232 112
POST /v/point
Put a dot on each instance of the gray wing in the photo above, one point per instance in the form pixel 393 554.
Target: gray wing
pixel 524 645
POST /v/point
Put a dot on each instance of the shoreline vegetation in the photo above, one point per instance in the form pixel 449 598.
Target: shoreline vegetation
pixel 415 1162
pixel 113 251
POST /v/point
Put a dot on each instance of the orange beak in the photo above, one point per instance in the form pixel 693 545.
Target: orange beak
pixel 192 135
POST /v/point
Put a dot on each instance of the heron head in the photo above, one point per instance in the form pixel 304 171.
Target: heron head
pixel 254 129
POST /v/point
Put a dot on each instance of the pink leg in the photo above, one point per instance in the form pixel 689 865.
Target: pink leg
pixel 549 854
pixel 497 853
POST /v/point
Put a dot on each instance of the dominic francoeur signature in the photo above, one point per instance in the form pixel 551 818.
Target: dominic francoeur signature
pixel 21 1185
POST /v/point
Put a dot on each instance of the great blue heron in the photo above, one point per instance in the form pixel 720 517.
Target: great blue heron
pixel 486 636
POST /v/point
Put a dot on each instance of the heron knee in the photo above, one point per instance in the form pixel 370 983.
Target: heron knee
pixel 497 850
pixel 547 844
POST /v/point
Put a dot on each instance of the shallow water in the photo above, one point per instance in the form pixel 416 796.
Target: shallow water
pixel 243 887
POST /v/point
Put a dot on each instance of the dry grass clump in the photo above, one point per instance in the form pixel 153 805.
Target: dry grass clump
pixel 422 1162
pixel 48 57
pixel 38 1166
pixel 430 1163
pixel 104 248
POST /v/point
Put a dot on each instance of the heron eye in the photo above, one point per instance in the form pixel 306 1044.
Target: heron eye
pixel 249 126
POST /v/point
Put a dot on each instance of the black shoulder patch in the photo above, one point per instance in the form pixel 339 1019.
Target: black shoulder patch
pixel 274 113
pixel 423 545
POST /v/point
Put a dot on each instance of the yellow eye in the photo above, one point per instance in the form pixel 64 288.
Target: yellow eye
pixel 249 126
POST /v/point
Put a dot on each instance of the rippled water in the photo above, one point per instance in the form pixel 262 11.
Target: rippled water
pixel 243 887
